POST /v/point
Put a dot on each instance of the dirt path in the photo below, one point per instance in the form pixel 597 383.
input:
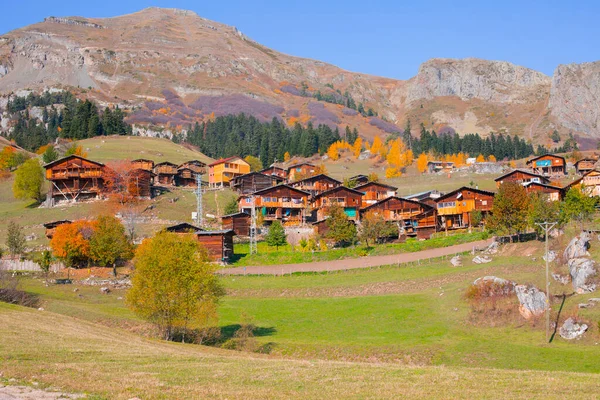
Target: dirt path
pixel 354 263
pixel 28 393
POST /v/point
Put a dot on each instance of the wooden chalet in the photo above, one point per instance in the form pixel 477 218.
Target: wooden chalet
pixel 142 163
pixel 521 177
pixel 195 165
pixel 275 171
pixel 218 244
pixel 51 227
pixel 184 227
pixel 359 179
pixel 548 165
pixel 283 203
pixel 223 171
pixel 300 171
pixel 585 165
pixel 239 223
pixel 140 183
pixel 375 191
pixel 74 178
pixel 321 228
pixel 254 181
pixel 186 177
pixel 454 208
pixel 554 193
pixel 429 197
pixel 349 199
pixel 589 183
pixel 165 173
pixel 316 184
pixel 440 166
pixel 414 217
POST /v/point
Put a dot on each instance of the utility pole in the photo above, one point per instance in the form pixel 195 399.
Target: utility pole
pixel 199 205
pixel 547 226
pixel 253 244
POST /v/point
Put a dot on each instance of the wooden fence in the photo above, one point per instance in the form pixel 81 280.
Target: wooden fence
pixel 26 265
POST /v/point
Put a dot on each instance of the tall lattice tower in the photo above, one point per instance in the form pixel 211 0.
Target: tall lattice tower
pixel 199 205
pixel 253 229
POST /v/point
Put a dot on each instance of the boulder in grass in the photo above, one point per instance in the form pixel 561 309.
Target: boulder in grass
pixel 581 269
pixel 578 246
pixel 482 259
pixel 564 279
pixel 456 261
pixel 571 329
pixel 533 301
pixel 551 256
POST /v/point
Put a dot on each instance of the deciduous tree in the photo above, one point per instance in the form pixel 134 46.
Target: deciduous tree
pixel 15 239
pixel 29 179
pixel 255 163
pixel 509 213
pixel 109 244
pixel 71 242
pixel 341 229
pixel 577 206
pixel 541 209
pixel 231 207
pixel 374 227
pixel 422 162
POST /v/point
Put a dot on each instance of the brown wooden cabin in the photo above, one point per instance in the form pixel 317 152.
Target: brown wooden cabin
pixel 589 183
pixel 548 165
pixel 142 163
pixel 195 165
pixel 316 184
pixel 186 177
pixel 440 166
pixel 254 181
pixel 359 179
pixel 429 197
pixel 454 208
pixel 165 173
pixel 521 177
pixel 300 171
pixel 374 192
pixel 411 215
pixel 283 203
pixel 218 244
pixel 140 183
pixel 554 193
pixel 239 223
pixel 74 178
pixel 184 227
pixel 321 228
pixel 275 171
pixel 349 199
pixel 51 227
pixel 585 165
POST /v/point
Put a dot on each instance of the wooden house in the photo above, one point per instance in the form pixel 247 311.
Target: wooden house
pixel 254 181
pixel 548 165
pixel 275 171
pixel 585 165
pixel 196 166
pixel 239 223
pixel 218 244
pixel 184 227
pixel 375 191
pixel 283 203
pixel 300 171
pixel 142 163
pixel 51 227
pixel 411 215
pixel 140 183
pixel 440 166
pixel 554 193
pixel 223 171
pixel 349 199
pixel 321 227
pixel 521 177
pixel 165 173
pixel 316 184
pixel 186 177
pixel 359 179
pixel 589 183
pixel 74 178
pixel 454 208
pixel 429 197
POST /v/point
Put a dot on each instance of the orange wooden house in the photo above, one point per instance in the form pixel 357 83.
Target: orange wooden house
pixel 275 171
pixel 300 171
pixel 521 177
pixel 454 209
pixel 415 218
pixel 140 183
pixel 223 171
pixel 349 199
pixel 165 173
pixel 316 184
pixel 74 178
pixel 142 163
pixel 589 183
pixel 548 165
pixel 278 203
pixel 585 165
pixel 554 193
pixel 375 191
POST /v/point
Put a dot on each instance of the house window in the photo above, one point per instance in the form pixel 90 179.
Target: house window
pixel 248 200
pixel 484 202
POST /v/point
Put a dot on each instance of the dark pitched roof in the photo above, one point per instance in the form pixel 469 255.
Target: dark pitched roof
pixel 142 160
pixel 584 159
pixel 325 193
pixel 464 188
pixel 523 172
pixel 543 185
pixel 222 160
pixel 182 226
pixel 165 163
pixel 425 206
pixel 258 173
pixel 279 187
pixel 316 178
pixel 376 184
pixel 54 224
pixel 545 155
pixel 60 160
pixel 213 233
pixel 240 214
pixel 299 165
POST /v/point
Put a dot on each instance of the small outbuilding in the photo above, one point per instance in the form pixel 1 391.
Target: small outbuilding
pixel 219 244
pixel 51 227
pixel 239 223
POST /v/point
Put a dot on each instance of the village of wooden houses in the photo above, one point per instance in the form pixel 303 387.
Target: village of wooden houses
pixel 299 195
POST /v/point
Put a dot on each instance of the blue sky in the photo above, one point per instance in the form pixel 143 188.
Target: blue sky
pixel 388 38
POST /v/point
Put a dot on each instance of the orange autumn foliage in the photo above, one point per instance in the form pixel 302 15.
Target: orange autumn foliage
pixel 491 158
pixel 392 172
pixel 480 158
pixel 71 242
pixel 287 156
pixel 377 147
pixel 357 147
pixel 422 161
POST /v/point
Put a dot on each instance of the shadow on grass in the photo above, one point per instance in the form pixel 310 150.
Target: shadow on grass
pixel 228 331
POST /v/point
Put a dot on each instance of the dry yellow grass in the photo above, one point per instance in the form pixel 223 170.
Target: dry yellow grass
pixel 79 356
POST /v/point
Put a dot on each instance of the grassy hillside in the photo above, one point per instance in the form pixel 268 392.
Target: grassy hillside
pixel 108 148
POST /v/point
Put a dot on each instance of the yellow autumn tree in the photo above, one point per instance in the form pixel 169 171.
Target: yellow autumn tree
pixel 422 161
pixel 333 151
pixel 392 172
pixel 357 147
pixel 398 156
pixel 491 158
pixel 480 158
pixel 377 146
pixel 286 156
pixel 461 159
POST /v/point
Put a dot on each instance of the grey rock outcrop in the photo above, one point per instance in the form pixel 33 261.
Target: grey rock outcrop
pixel 493 248
pixel 578 246
pixel 456 261
pixel 581 269
pixel 551 256
pixel 572 330
pixel 482 259
pixel 533 301
pixel 564 279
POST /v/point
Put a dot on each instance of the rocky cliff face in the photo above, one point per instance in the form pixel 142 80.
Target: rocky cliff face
pixel 575 97
pixel 492 81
